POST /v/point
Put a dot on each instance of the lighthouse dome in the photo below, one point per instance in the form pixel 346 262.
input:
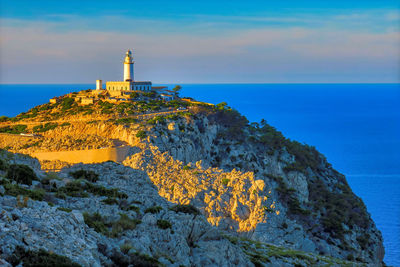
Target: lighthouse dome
pixel 128 57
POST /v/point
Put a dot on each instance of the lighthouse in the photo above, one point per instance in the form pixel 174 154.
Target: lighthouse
pixel 128 83
pixel 128 67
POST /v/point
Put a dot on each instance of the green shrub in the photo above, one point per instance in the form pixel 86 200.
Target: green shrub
pixel 133 207
pixel 80 189
pixel 350 257
pixel 20 173
pixel 102 191
pixel 106 111
pixel 141 134
pixel 333 225
pixel 151 94
pixel 337 206
pixel 25 146
pixel 187 168
pixel 88 112
pixel 91 176
pixel 73 189
pixel 295 166
pixel 38 258
pixel 125 121
pixel 99 224
pixel 15 190
pixel 185 209
pixel 225 181
pixel 133 259
pixel 173 117
pixel 157 119
pixel 60 194
pixel 125 248
pixel 305 155
pixel 133 95
pixel 16 129
pixel 163 224
pixel 124 223
pixel 110 201
pixel 294 206
pixel 44 128
pixel 46 106
pixel 222 105
pixel 154 209
pixel 232 121
pixel 65 124
pixel 106 105
pixel 64 209
pixel 271 137
pixel 66 103
pixel 3 165
pixel 37 194
pixel 363 240
pixel 50 176
pixel 4 118
pixel 96 222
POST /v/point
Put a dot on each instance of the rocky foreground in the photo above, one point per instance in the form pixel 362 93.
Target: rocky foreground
pixel 201 188
pixel 112 215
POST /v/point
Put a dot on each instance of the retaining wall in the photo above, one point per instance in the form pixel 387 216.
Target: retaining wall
pixel 117 154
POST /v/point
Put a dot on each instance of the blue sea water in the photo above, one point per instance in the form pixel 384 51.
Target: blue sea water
pixel 356 126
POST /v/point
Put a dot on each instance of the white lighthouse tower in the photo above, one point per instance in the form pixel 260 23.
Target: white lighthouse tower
pixel 128 67
pixel 128 83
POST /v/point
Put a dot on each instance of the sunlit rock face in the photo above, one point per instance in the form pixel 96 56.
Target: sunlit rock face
pixel 231 200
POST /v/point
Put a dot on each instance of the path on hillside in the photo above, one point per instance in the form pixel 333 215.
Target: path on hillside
pixel 135 116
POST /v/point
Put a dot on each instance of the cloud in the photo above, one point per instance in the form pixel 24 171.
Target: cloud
pixel 70 51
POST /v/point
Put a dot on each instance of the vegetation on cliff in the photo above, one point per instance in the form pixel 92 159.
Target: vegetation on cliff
pixel 68 107
pixel 41 258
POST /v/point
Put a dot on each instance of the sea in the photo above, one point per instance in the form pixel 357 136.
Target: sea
pixel 356 126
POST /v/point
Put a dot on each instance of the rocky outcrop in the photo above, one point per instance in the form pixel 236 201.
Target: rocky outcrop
pixel 231 200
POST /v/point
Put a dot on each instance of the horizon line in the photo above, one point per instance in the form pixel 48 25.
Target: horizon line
pixel 214 83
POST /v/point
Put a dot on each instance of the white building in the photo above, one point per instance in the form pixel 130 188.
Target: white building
pixel 128 84
pixel 166 97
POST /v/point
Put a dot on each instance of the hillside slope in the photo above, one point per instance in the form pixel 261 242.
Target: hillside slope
pixel 246 179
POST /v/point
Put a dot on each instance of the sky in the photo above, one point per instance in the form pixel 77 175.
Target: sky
pixel 205 41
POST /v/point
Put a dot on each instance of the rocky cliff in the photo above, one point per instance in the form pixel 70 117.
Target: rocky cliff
pixel 251 186
pixel 112 215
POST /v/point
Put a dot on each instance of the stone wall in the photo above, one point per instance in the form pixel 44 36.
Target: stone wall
pixel 117 154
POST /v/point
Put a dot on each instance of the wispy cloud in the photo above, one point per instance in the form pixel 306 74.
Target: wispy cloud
pixel 204 48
